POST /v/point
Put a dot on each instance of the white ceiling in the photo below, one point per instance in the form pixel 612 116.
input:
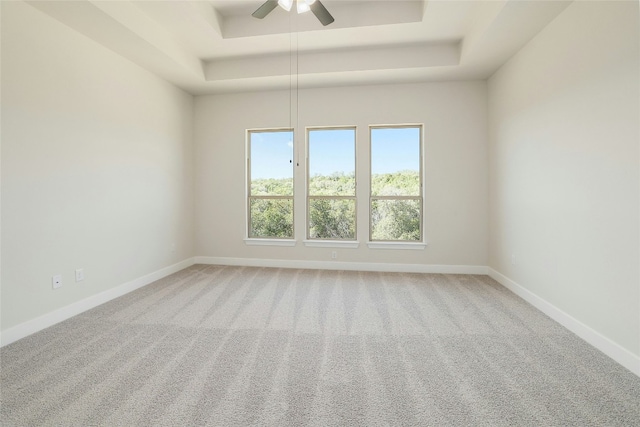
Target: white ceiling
pixel 216 46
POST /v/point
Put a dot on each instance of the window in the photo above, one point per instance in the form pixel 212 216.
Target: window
pixel 396 183
pixel 270 179
pixel 331 183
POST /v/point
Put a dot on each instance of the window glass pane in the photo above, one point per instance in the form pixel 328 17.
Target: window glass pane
pixel 395 161
pixel 271 163
pixel 395 220
pixel 271 218
pixel 332 219
pixel 332 160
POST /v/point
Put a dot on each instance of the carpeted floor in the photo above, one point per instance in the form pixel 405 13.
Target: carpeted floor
pixel 240 346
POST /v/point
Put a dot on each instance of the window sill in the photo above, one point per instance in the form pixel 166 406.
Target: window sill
pixel 269 242
pixel 418 246
pixel 331 243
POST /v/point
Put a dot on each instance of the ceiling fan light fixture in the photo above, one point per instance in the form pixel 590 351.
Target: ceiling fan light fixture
pixel 302 6
pixel 285 4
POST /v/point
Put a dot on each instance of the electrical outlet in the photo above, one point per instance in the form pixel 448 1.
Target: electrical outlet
pixel 56 281
pixel 334 254
pixel 79 274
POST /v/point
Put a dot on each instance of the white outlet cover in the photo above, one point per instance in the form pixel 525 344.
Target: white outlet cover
pixel 56 281
pixel 79 274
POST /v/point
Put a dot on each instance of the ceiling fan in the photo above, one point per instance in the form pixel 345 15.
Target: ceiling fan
pixel 302 6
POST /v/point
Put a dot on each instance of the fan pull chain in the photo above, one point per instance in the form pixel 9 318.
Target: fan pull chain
pixel 297 89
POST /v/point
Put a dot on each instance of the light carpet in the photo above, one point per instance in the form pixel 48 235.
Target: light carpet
pixel 242 346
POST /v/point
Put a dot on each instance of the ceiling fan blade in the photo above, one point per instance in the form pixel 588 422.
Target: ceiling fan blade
pixel 265 9
pixel 321 13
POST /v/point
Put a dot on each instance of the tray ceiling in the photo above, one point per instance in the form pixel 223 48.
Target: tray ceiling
pixel 216 46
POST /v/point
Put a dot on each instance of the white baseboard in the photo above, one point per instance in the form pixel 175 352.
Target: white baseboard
pixel 618 353
pixel 39 323
pixel 334 265
pixel 621 355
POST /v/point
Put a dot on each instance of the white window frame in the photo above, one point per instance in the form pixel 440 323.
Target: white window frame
pixel 267 241
pixel 320 242
pixel 397 244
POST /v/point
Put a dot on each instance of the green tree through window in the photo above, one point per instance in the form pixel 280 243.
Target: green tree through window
pixel 331 183
pixel 270 201
pixel 396 183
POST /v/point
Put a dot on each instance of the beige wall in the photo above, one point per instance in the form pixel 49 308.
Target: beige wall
pixel 96 167
pixel 564 168
pixel 108 168
pixel 454 115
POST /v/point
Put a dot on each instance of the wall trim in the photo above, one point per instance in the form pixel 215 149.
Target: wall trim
pixel 615 351
pixel 39 323
pixel 337 265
